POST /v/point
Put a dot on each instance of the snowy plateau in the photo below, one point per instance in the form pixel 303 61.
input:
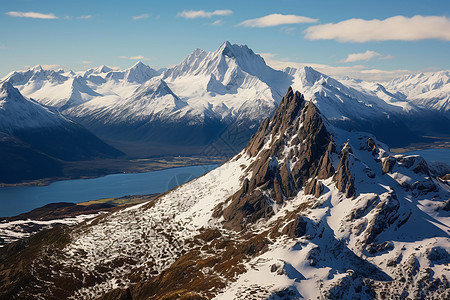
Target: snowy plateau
pixel 305 210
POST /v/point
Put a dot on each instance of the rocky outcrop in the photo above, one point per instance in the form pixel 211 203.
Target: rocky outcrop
pixel 296 228
pixel 385 215
pixel 289 149
pixel 388 164
pixel 314 187
pixel 343 176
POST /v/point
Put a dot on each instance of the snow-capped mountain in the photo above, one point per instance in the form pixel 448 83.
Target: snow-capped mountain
pixel 428 90
pixel 18 113
pixel 304 210
pixel 228 80
pixel 231 87
pixel 45 129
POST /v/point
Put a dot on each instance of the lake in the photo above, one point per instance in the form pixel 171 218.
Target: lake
pixel 20 199
pixel 432 154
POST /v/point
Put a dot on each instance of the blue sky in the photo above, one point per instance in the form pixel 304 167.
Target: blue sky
pixel 337 37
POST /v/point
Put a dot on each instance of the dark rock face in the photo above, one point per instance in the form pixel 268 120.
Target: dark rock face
pixel 326 169
pixel 314 187
pixel 386 214
pixel 296 228
pixel 314 141
pixel 117 294
pixel 343 176
pixel 300 148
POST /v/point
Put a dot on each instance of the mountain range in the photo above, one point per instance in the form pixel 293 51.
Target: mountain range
pixel 188 106
pixel 210 104
pixel 36 138
pixel 304 210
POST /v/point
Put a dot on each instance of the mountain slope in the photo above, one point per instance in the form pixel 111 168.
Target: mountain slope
pixel 19 161
pixel 46 130
pixel 305 210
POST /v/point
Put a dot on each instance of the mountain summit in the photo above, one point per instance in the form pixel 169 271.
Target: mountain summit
pixel 305 210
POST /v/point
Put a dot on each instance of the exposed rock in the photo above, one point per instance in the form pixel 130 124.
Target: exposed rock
pixel 296 228
pixel 343 176
pixel 296 124
pixel 246 208
pixel 117 294
pixel 388 164
pixel 379 248
pixel 313 256
pixel 423 187
pixel 438 255
pixel 386 214
pixel 418 164
pixel 287 111
pixel 326 168
pixel 362 208
pixel 314 187
pixel 315 141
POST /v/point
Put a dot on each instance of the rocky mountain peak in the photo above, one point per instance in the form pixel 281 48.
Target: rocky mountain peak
pixel 289 150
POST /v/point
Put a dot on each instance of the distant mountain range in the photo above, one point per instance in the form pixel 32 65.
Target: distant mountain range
pixel 35 138
pixel 220 97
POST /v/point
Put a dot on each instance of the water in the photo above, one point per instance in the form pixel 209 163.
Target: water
pixel 17 200
pixel 432 154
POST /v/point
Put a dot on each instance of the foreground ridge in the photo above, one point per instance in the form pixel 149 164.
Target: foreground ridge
pixel 304 210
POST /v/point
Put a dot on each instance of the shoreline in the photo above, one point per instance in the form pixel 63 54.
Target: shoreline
pixel 132 166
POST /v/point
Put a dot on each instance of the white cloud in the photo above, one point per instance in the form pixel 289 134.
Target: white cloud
pixel 85 17
pixel 193 14
pixel 136 57
pixel 357 71
pixel 217 23
pixel 30 14
pixel 398 28
pixel 86 62
pixel 365 56
pixel 276 20
pixel 140 17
